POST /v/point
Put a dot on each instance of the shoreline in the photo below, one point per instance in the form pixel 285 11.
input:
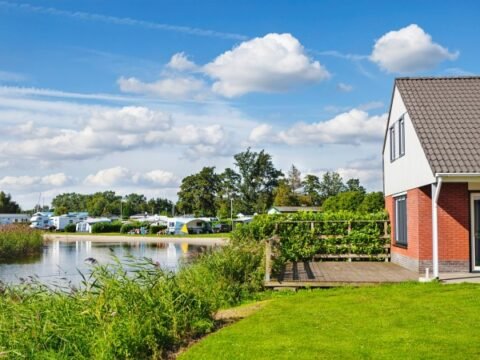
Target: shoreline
pixel 129 238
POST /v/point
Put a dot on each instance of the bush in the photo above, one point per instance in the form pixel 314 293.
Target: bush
pixel 70 228
pixel 154 229
pixel 19 241
pixel 105 227
pixel 127 227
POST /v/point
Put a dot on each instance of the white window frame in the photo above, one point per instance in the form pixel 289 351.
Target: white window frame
pixel 401 136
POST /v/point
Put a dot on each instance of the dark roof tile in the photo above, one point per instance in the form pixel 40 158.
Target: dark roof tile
pixel 446 115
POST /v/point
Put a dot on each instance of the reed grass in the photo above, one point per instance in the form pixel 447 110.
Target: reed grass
pixel 19 241
pixel 129 310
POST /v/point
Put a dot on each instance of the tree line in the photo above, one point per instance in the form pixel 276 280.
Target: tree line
pixel 254 185
pixel 109 203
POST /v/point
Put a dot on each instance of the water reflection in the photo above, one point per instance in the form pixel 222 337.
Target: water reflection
pixel 64 260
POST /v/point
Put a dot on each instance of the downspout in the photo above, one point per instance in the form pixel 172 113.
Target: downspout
pixel 436 187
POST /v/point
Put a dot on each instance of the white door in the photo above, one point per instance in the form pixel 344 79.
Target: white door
pixel 475 230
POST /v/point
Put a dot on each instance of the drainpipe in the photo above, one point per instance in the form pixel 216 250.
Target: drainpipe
pixel 436 187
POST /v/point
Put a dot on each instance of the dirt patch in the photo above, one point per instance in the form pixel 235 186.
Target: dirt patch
pixel 239 312
pixel 224 318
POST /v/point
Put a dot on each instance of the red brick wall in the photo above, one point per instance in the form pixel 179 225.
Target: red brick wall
pixel 419 223
pixel 453 222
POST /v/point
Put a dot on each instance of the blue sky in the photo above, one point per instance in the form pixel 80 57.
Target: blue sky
pixel 133 96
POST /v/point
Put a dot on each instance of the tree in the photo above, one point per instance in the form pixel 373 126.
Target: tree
pixel 372 202
pixel 331 185
pixel 259 177
pixel 284 195
pixel 228 193
pixel 354 185
pixel 7 205
pixel 311 189
pixel 60 210
pixel 134 204
pixel 348 200
pixel 160 206
pixel 198 192
pixel 294 178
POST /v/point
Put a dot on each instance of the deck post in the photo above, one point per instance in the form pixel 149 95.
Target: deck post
pixel 349 230
pixel 268 259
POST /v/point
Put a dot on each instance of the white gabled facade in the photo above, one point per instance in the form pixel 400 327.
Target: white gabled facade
pixel 411 170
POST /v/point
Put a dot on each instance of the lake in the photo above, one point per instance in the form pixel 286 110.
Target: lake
pixel 61 262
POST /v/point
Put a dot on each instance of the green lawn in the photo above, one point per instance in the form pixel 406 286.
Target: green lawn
pixel 410 321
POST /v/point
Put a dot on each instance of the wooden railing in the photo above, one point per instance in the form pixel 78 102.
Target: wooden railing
pixel 272 243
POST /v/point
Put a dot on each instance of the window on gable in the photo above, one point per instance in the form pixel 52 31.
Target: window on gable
pixel 401 220
pixel 392 143
pixel 397 139
pixel 401 136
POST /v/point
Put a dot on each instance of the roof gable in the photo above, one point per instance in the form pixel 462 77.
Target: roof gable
pixel 446 115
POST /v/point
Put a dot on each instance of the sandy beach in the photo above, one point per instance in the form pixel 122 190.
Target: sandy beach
pixel 134 238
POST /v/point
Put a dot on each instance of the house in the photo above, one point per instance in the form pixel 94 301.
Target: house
pixel 71 218
pixel 292 209
pixel 6 219
pixel 86 225
pixel 41 220
pixel 431 169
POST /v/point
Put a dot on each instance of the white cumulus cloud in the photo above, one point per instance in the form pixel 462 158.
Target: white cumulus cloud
pixel 130 119
pixel 35 182
pixel 107 177
pixel 180 62
pixel 273 63
pixel 409 50
pixel 174 87
pixel 121 176
pixel 349 128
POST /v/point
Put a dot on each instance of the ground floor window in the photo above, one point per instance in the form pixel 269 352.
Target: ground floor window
pixel 401 220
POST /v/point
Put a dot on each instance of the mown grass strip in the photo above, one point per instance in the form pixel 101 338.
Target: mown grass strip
pixel 412 321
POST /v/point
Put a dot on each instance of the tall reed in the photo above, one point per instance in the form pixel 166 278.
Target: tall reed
pixel 19 241
pixel 129 310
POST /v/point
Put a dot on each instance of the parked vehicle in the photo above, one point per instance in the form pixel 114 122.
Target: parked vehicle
pixel 222 228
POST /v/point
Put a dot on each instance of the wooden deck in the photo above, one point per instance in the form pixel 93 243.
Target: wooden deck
pixel 337 273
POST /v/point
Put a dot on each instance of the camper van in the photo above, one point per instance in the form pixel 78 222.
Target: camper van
pixel 186 225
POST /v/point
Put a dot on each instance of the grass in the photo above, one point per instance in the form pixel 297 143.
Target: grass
pixel 414 321
pixel 18 241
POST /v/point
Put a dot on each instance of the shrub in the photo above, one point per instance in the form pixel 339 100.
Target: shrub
pixel 105 227
pixel 70 228
pixel 154 229
pixel 19 241
pixel 127 227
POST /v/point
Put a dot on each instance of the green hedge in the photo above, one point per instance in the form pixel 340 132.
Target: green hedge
pixel 70 228
pixel 127 227
pixel 105 227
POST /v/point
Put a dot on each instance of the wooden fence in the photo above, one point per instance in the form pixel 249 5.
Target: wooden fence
pixel 271 244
